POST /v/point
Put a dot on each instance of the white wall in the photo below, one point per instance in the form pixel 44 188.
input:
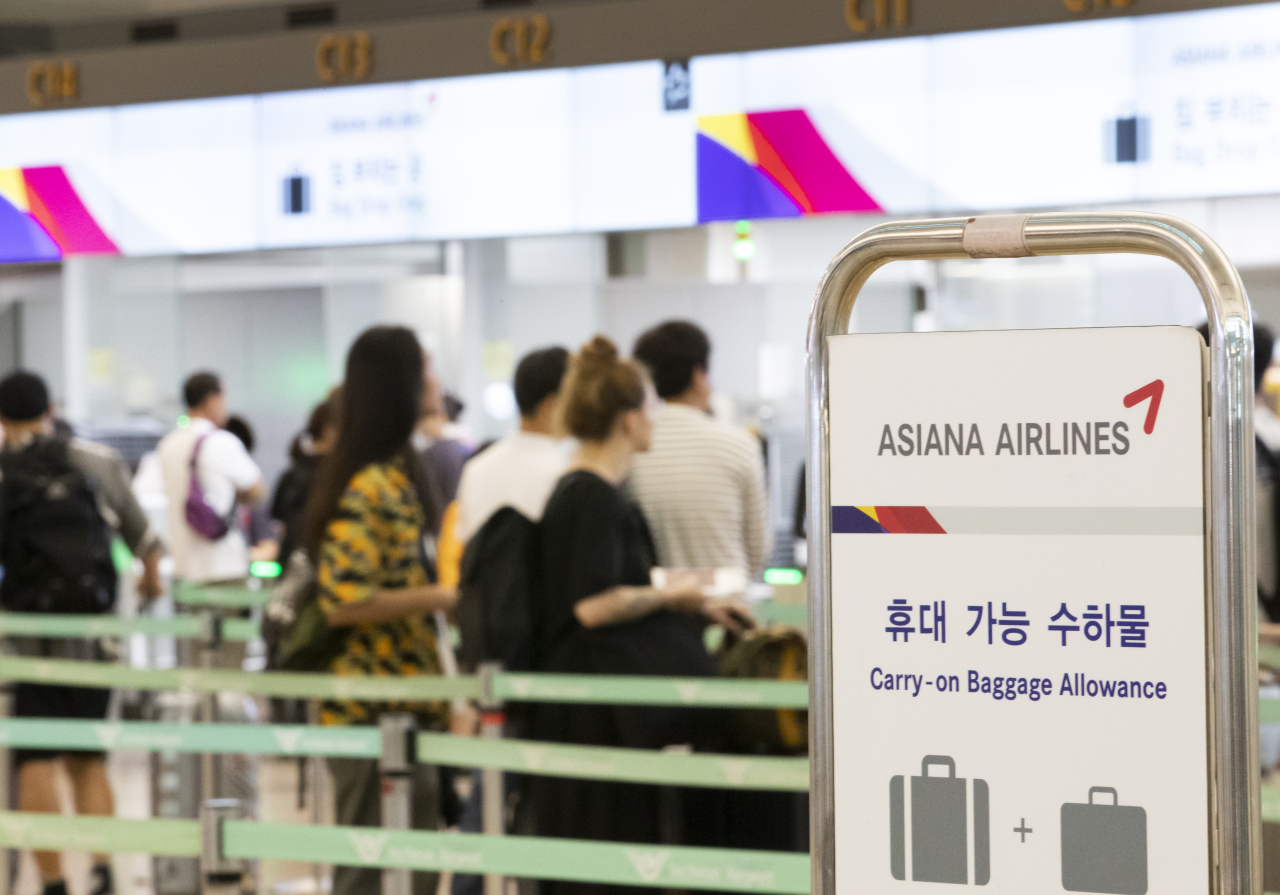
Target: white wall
pixel 269 349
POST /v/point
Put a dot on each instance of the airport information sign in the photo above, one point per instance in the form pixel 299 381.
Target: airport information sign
pixel 1018 605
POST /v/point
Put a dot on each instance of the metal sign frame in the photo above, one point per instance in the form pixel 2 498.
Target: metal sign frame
pixel 1235 824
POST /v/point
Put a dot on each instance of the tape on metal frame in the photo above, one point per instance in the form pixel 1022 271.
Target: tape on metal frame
pixel 996 236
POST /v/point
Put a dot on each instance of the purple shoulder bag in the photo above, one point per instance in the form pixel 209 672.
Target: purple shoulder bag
pixel 203 518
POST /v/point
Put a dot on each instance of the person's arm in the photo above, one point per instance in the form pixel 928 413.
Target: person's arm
pixel 232 460
pixel 150 585
pixel 347 573
pixel 757 534
pixel 112 477
pixel 388 605
pixel 254 494
pixel 624 603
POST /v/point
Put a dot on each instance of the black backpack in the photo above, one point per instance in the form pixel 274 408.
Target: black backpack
pixel 1270 464
pixel 497 593
pixel 54 544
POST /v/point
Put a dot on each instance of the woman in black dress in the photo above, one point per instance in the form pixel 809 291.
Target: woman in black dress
pixel 601 616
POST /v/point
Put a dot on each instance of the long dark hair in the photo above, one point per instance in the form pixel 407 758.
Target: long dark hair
pixel 381 404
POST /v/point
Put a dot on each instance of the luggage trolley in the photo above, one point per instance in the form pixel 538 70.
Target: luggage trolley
pixel 1104 841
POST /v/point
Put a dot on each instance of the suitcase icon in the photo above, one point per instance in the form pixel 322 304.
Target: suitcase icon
pixel 939 822
pixel 1104 847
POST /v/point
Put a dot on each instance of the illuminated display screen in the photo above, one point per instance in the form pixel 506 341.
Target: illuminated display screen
pixel 1158 107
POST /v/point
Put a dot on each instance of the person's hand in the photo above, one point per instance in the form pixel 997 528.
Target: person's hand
pixel 733 614
pixel 464 722
pixel 149 584
pixel 444 599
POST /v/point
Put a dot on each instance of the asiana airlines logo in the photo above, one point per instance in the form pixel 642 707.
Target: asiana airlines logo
pixel 1067 438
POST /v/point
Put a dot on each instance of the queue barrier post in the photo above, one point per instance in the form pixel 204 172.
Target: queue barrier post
pixel 6 777
pixel 395 765
pixel 492 797
pixel 219 874
pixel 210 628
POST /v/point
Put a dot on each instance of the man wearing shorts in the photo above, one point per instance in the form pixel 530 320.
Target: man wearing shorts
pixel 101 479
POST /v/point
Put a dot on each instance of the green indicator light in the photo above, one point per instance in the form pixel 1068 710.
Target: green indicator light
pixel 783 576
pixel 184 421
pixel 264 569
pixel 744 250
pixel 743 228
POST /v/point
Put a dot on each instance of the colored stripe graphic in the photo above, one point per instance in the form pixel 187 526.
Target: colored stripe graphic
pixel 58 208
pixel 821 182
pixel 1160 521
pixel 884 520
pixel 42 218
pixel 771 164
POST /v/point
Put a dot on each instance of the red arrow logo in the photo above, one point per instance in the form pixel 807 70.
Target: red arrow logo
pixel 1154 391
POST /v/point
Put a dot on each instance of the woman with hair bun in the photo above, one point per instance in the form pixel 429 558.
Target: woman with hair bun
pixel 600 615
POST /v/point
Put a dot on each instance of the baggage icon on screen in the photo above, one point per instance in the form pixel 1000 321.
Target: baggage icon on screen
pixel 1104 847
pixel 939 827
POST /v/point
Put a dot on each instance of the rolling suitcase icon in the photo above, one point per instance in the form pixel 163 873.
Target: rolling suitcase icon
pixel 939 827
pixel 1104 847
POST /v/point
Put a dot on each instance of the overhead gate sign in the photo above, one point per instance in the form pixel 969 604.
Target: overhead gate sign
pixel 1018 599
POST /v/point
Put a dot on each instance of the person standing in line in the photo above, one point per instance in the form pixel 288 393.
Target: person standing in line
pixel 522 469
pixel 442 446
pixel 202 452
pixel 365 520
pixel 702 485
pixel 309 447
pixel 702 490
pixel 63 499
pixel 519 471
pixel 601 615
pixel 260 529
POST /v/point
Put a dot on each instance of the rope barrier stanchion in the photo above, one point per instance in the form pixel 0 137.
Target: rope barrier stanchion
pixel 157 736
pixel 211 643
pixel 6 772
pixel 72 626
pixel 224 597
pixel 395 766
pixel 496 754
pixel 607 689
pixel 109 835
pixel 610 763
pixel 644 690
pixel 492 791
pixel 219 874
pixel 657 866
pixel 781 613
pixel 422 688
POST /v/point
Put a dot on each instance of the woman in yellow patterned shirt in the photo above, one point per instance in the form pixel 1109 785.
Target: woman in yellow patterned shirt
pixel 365 521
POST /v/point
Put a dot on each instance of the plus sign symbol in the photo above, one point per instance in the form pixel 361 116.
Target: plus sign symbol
pixel 1023 830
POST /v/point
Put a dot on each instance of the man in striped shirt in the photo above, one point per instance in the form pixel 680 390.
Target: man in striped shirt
pixel 701 485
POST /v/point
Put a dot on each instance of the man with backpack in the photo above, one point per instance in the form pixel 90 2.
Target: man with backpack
pixel 207 473
pixel 62 500
pixel 502 494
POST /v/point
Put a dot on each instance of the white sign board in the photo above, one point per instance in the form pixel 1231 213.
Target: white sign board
pixel 1018 611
